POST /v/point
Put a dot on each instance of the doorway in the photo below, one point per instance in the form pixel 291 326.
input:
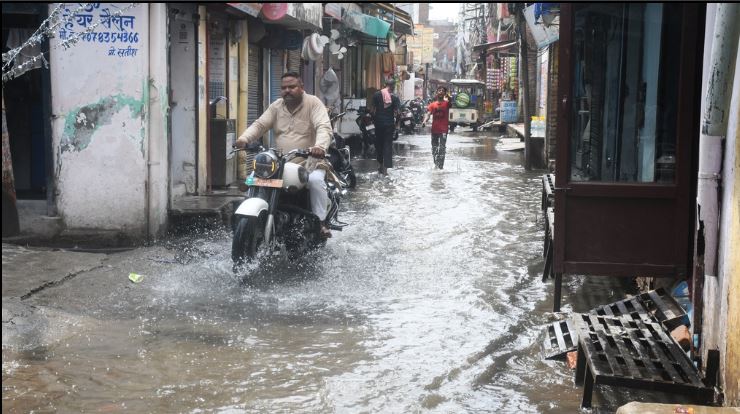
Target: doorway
pixel 27 104
pixel 626 170
pixel 183 92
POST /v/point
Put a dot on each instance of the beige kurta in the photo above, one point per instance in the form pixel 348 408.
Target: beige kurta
pixel 306 127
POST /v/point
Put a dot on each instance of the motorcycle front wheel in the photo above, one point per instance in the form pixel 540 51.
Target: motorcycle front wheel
pixel 351 179
pixel 248 236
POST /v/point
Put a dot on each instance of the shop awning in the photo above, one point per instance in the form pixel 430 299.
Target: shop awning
pixel 502 46
pixel 334 10
pixel 400 21
pixel 367 24
pixel 294 15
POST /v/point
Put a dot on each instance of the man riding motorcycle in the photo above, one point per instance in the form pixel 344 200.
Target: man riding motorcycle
pixel 299 120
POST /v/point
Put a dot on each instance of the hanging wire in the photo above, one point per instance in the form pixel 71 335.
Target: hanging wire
pixel 47 30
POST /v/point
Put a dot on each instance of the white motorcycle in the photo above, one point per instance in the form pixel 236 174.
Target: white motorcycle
pixel 277 211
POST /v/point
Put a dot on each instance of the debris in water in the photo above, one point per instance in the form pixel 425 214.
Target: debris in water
pixel 135 277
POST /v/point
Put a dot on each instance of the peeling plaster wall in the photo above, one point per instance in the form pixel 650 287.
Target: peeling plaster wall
pixel 159 112
pixel 722 292
pixel 100 100
pixel 729 254
pixel 202 103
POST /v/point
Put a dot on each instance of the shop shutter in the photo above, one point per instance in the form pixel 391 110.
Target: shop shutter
pixel 276 71
pixel 307 74
pixel 294 61
pixel 346 76
pixel 254 87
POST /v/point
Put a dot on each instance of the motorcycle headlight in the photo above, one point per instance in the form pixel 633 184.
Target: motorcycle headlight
pixel 265 165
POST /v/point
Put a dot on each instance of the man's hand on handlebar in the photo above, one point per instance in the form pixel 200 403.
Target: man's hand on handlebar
pixel 317 152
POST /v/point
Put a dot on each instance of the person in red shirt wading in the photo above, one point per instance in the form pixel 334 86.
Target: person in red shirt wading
pixel 440 112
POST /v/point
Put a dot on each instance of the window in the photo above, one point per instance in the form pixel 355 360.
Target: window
pixel 625 89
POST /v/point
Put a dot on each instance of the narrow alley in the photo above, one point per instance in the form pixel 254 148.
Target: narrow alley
pixel 430 299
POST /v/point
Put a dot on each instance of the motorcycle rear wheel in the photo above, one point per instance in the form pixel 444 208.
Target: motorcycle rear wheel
pixel 248 236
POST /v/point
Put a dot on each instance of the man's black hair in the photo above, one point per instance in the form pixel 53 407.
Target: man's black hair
pixel 292 75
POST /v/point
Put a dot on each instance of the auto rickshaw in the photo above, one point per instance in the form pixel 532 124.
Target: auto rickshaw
pixel 467 103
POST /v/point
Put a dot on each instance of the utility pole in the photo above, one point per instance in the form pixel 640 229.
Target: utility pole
pixel 426 81
pixel 524 79
pixel 472 20
pixel 459 43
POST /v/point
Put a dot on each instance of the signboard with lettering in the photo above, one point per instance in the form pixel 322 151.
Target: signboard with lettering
pixel 421 45
pixel 543 35
pixel 300 15
pixel 252 9
pixel 334 10
pixel 427 45
pixel 508 111
pixel 117 30
pixel 413 47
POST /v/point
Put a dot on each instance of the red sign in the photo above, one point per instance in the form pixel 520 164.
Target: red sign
pixel 274 11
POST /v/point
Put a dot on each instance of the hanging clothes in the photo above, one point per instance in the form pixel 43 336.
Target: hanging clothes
pixel 373 69
pixel 388 64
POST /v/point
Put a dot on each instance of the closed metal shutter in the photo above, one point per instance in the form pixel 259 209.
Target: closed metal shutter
pixel 254 86
pixel 277 65
pixel 307 74
pixel 294 61
pixel 254 105
pixel 276 71
pixel 346 75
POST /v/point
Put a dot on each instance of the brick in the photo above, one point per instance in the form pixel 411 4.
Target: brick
pixel 571 358
pixel 682 336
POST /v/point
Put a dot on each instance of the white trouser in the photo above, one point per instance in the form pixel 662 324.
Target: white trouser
pixel 317 191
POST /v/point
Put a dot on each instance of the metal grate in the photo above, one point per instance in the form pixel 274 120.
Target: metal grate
pixel 560 338
pixel 548 190
pixel 620 351
pixel 654 306
pixel 549 240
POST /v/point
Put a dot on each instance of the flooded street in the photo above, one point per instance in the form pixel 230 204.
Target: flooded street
pixel 431 300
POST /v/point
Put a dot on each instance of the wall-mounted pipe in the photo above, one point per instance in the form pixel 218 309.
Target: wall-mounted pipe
pixel 714 124
pixel 714 128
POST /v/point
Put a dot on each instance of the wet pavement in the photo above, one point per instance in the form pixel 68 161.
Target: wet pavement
pixel 429 301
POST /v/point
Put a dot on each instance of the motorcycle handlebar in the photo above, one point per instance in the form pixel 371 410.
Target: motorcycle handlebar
pixel 304 152
pixel 337 116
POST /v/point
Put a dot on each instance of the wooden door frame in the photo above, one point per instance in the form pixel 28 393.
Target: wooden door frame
pixel 682 191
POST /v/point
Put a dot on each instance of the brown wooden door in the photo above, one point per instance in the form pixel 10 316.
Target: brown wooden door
pixel 628 115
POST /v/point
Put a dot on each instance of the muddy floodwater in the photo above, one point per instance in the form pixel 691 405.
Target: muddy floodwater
pixel 431 300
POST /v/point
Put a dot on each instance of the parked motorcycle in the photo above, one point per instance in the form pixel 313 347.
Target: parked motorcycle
pixel 418 109
pixel 406 119
pixel 367 127
pixel 340 157
pixel 277 212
